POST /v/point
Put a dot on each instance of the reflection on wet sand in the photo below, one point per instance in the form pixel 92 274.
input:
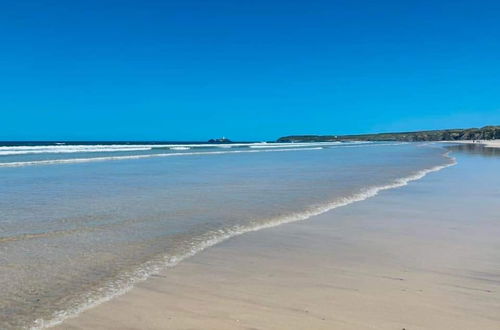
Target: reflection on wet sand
pixel 475 149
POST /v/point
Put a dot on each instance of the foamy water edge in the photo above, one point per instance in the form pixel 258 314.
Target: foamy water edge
pixel 108 158
pixel 126 282
pixel 283 148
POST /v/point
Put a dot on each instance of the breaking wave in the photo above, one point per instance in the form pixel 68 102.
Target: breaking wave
pixel 108 158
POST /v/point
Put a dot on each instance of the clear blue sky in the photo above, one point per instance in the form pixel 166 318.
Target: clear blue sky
pixel 249 70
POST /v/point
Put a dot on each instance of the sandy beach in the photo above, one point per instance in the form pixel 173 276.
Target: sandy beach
pixel 486 143
pixel 492 143
pixel 424 256
pixel 250 165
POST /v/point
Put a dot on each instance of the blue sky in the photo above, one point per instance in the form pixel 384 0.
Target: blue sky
pixel 249 70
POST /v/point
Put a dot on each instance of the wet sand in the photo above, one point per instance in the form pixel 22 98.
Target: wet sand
pixel 424 256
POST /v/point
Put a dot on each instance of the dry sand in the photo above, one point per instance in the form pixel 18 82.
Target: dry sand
pixel 487 143
pixel 425 256
pixel 492 143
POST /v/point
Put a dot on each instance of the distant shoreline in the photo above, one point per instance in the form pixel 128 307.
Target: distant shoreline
pixel 484 133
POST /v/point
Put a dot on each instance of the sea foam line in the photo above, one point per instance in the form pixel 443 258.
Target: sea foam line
pixel 72 148
pixel 107 158
pixel 98 148
pixel 68 151
pixel 127 282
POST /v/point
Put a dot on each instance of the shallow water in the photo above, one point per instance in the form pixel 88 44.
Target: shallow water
pixel 74 230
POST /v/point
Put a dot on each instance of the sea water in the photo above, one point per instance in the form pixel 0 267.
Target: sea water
pixel 81 223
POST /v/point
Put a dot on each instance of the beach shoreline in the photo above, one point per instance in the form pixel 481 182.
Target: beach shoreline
pixel 151 213
pixel 486 143
pixel 338 270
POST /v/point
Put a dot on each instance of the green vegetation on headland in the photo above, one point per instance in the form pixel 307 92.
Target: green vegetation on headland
pixel 484 133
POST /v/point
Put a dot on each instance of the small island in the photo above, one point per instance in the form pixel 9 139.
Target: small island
pixel 220 140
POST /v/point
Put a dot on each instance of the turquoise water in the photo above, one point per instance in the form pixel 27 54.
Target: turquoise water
pixel 79 224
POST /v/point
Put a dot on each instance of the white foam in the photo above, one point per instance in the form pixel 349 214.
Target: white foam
pixel 122 286
pixel 67 150
pixel 108 158
pixel 63 148
pixel 179 148
pixel 59 149
pixel 357 145
pixel 293 145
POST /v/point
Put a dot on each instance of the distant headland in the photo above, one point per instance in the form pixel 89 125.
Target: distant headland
pixel 484 133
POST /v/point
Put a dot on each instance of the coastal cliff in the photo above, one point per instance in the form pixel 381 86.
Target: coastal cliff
pixel 484 133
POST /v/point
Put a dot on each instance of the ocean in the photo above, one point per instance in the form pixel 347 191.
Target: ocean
pixel 82 222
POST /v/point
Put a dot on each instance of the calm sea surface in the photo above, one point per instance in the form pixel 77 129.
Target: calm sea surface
pixel 81 223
